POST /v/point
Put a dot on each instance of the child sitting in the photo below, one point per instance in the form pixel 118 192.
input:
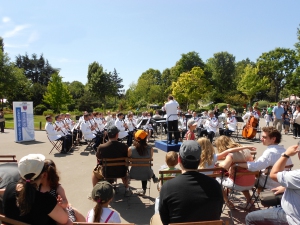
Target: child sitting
pixel 171 161
pixel 103 194
pixel 50 183
pixel 192 124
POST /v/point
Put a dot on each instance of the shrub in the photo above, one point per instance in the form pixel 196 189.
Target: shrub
pixel 39 109
pixel 263 104
pixel 48 112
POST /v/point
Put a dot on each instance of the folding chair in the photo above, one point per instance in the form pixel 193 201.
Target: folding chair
pixel 213 222
pixel 145 162
pixel 3 158
pixel 57 144
pixel 5 220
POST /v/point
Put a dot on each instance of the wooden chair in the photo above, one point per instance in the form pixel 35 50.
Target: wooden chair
pixel 83 223
pixel 4 158
pixel 213 222
pixel 6 220
pixel 112 162
pixel 144 162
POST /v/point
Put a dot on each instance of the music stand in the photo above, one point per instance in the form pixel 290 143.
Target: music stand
pixel 78 117
pixel 142 123
pixel 239 119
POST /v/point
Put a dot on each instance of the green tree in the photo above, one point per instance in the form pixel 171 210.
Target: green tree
pixel 277 65
pixel 57 94
pixel 222 68
pixel 76 89
pixel 297 45
pixel 251 83
pixel 187 62
pixel 38 70
pixel 191 87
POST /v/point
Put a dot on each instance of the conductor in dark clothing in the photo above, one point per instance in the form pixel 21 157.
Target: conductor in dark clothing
pixel 191 196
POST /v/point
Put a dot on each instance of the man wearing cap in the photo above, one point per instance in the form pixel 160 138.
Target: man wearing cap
pixel 113 149
pixel 172 118
pixel 204 201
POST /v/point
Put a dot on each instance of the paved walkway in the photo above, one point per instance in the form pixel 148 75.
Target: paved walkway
pixel 75 171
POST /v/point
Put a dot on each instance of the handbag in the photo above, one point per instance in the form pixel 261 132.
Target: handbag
pixel 268 198
pixel 98 172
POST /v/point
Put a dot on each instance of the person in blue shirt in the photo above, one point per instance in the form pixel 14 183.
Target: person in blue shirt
pixel 278 112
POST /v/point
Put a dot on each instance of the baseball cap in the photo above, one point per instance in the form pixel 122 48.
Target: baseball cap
pixel 190 148
pixel 112 131
pixel 141 134
pixel 102 192
pixel 32 163
pixel 191 122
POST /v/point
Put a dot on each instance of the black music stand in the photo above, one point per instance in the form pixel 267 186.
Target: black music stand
pixel 239 119
pixel 142 123
pixel 187 117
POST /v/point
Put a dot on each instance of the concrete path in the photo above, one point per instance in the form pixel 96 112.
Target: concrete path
pixel 75 172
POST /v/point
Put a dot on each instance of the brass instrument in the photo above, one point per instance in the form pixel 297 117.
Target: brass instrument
pixel 57 128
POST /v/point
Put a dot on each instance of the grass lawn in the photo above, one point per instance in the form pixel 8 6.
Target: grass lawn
pixel 9 121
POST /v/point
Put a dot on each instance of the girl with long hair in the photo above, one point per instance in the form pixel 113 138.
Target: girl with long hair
pixel 241 183
pixel 103 194
pixel 50 183
pixel 23 202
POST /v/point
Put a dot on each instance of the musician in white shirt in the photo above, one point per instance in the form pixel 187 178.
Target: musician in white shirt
pixel 230 125
pixel 210 126
pixel 250 113
pixel 132 127
pixel 122 126
pixel 182 125
pixel 87 130
pixel 172 119
pixel 52 132
pixel 58 122
pixel 69 121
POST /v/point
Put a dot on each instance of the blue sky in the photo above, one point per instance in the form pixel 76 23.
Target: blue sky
pixel 135 35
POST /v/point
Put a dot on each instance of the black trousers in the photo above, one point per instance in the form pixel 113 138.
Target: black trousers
pixel 2 127
pixel 173 127
pixel 296 130
pixel 210 135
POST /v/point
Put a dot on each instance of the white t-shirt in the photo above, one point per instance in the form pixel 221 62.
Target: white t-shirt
pixel 115 217
pixel 171 109
pixel 206 166
pixel 291 197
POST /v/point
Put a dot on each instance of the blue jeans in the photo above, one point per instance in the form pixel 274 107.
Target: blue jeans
pixel 270 216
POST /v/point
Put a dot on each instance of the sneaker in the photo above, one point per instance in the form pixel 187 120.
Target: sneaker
pixel 128 192
pixel 141 192
pixel 155 180
pixel 298 137
pixel 294 137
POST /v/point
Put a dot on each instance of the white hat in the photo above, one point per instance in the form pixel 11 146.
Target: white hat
pixel 32 163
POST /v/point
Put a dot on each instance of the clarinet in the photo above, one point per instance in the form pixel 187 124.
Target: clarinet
pixel 97 128
pixel 59 128
pixel 66 126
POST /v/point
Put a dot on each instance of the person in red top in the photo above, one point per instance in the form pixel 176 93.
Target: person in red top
pixel 192 124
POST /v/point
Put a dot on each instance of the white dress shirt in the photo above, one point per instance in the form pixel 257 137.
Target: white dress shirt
pixel 268 158
pixel 248 114
pixel 85 127
pixel 171 109
pixel 211 124
pixel 120 125
pixel 231 123
pixel 131 123
pixel 52 133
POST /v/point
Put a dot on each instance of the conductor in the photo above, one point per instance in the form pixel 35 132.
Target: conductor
pixel 172 118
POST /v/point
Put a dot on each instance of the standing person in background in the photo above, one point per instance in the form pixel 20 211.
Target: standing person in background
pixel 270 112
pixel 216 111
pixel 278 116
pixel 296 122
pixel 2 121
pixel 172 118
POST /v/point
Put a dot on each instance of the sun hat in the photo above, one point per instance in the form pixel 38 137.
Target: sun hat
pixel 32 163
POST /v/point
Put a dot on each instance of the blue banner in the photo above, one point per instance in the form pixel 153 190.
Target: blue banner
pixel 19 124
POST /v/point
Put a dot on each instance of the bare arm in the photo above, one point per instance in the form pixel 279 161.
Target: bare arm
pixel 129 152
pixel 281 162
pixel 226 163
pixel 63 198
pixel 151 152
pixel 230 150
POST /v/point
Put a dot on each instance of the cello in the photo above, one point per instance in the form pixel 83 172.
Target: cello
pixel 250 129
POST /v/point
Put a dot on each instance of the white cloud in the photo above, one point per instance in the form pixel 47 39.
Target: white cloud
pixel 15 46
pixel 5 19
pixel 15 31
pixel 34 36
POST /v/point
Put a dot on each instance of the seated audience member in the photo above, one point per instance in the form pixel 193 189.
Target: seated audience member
pixel 50 183
pixel 192 124
pixel 103 194
pixel 23 202
pixel 210 126
pixel 8 173
pixel 139 150
pixel 52 132
pixel 113 149
pixel 171 161
pixel 271 137
pixel 191 196
pixel 230 125
pixel 208 156
pixel 87 130
pixel 241 183
pixel 289 211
